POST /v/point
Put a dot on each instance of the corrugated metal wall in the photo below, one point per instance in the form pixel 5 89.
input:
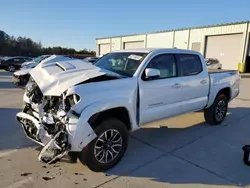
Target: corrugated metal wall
pixel 116 44
pixel 185 39
pixel 160 40
pixel 181 39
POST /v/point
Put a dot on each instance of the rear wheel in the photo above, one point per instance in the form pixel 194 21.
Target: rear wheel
pixel 105 151
pixel 217 112
pixel 11 68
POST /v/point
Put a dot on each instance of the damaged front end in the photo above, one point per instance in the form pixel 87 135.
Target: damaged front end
pixel 44 120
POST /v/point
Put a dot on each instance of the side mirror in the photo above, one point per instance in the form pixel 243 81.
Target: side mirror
pixel 152 73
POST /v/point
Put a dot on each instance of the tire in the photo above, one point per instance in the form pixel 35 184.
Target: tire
pixel 11 68
pixel 212 114
pixel 73 156
pixel 92 157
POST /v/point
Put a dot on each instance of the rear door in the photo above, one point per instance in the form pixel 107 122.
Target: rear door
pixel 195 82
pixel 160 98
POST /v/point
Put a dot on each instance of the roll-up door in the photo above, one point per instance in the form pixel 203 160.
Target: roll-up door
pixel 226 48
pixel 104 49
pixel 133 45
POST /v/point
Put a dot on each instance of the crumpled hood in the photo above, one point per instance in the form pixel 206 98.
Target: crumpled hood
pixel 55 78
pixel 22 72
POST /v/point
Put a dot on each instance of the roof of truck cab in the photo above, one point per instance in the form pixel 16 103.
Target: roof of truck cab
pixel 155 50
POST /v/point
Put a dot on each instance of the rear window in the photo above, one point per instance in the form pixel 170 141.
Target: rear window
pixel 190 64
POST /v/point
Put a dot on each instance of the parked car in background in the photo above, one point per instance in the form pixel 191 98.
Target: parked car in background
pixel 34 61
pixel 12 64
pixel 22 76
pixel 213 63
pixel 89 110
pixel 91 59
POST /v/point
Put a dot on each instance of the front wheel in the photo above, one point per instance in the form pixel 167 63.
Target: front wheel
pixel 105 151
pixel 217 112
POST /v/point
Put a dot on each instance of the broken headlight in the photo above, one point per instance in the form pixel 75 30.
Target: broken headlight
pixel 71 100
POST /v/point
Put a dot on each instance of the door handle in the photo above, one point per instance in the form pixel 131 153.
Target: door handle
pixel 176 85
pixel 203 81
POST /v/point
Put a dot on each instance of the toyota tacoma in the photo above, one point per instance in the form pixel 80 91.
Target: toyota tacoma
pixel 87 111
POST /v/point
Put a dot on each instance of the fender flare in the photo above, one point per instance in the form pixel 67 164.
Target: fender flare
pixel 84 133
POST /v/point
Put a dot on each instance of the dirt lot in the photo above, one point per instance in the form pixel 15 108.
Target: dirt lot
pixel 179 152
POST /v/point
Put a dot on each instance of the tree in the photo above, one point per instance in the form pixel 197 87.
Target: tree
pixel 11 46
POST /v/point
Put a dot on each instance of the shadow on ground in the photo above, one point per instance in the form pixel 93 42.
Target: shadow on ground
pixel 8 85
pixel 11 134
pixel 245 76
pixel 6 80
pixel 190 167
pixel 5 73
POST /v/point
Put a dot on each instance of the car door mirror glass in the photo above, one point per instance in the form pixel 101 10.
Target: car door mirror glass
pixel 151 73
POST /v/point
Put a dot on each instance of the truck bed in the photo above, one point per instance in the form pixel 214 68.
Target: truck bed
pixel 212 71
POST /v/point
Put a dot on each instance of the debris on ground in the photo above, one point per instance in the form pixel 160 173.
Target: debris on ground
pixel 162 126
pixel 107 174
pixel 48 172
pixel 59 173
pixel 26 174
pixel 76 183
pixel 78 173
pixel 9 160
pixel 48 178
pixel 44 166
pixel 84 179
pixel 56 166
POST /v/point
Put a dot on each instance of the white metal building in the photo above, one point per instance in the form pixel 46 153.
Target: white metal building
pixel 227 42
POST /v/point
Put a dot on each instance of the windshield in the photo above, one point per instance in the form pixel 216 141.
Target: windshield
pixel 39 59
pixel 123 63
pixel 211 61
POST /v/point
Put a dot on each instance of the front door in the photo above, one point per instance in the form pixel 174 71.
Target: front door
pixel 160 98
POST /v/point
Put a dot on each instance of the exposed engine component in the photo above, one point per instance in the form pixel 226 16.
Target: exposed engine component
pixel 44 120
pixel 33 92
pixel 70 101
pixel 46 128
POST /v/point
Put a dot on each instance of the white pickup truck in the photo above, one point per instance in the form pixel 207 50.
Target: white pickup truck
pixel 87 111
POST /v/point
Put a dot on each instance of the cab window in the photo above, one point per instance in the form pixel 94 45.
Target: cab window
pixel 190 64
pixel 165 63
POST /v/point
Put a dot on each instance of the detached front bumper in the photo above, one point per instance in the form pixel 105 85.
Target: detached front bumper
pixel 30 126
pixel 79 132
